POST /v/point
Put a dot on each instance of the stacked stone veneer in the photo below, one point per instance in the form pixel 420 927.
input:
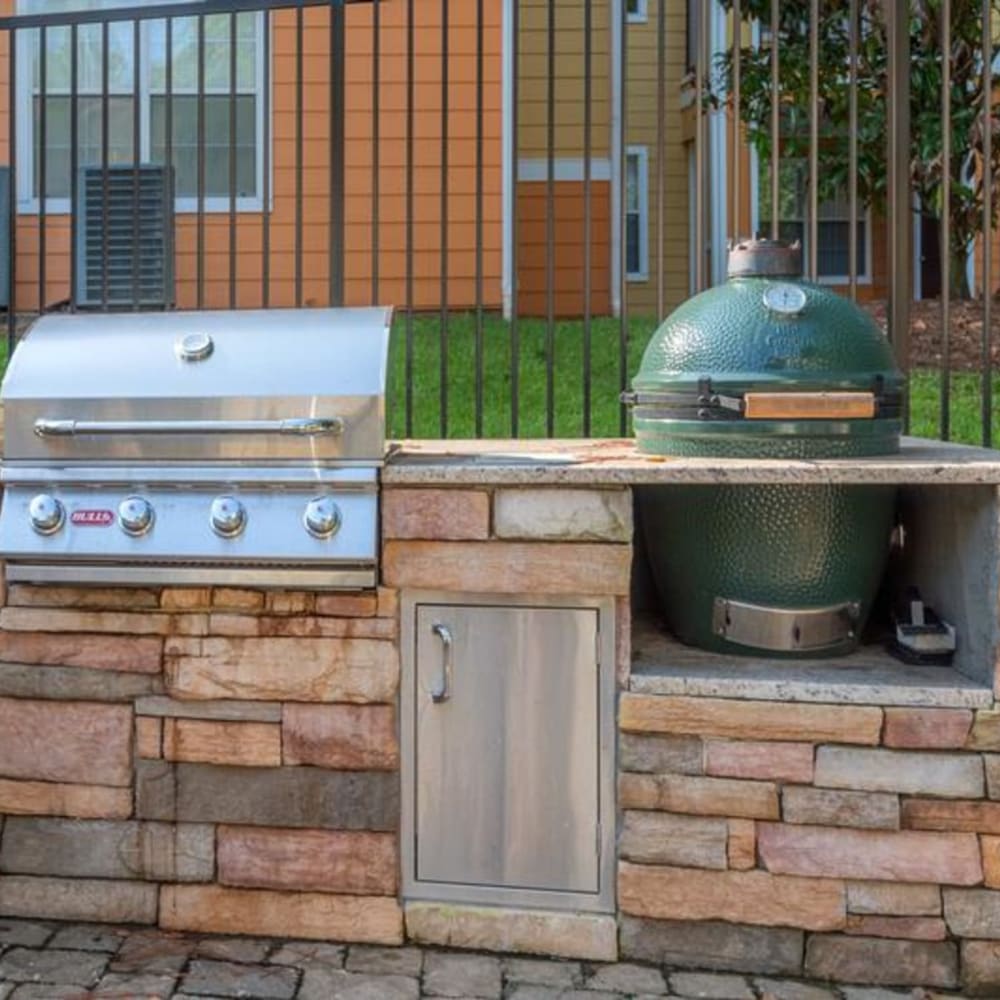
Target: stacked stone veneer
pixel 227 761
pixel 847 842
pixel 215 760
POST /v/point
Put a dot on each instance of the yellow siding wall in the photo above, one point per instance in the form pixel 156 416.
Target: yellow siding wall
pixel 641 71
pixel 569 74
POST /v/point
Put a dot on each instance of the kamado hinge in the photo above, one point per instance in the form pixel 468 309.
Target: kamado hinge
pixel 707 404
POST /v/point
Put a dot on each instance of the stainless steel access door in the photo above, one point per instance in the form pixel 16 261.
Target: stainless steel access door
pixel 506 705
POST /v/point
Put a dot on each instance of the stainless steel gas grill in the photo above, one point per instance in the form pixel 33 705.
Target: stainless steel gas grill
pixel 196 448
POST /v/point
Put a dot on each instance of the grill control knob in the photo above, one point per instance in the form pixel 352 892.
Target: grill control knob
pixel 135 515
pixel 322 517
pixel 228 516
pixel 47 514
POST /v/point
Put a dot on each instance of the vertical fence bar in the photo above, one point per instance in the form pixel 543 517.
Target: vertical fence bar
pixel 337 151
pixel 168 136
pixel 479 217
pixel 900 206
pixel 200 218
pixel 376 138
pixel 515 333
pixel 661 148
pixel 444 221
pixel 232 159
pixel 105 129
pixel 136 155
pixel 550 221
pixel 265 204
pixel 408 361
pixel 737 159
pixel 814 139
pixel 74 130
pixel 299 42
pixel 775 123
pixel 986 361
pixel 43 141
pixel 588 138
pixel 12 194
pixel 622 208
pixel 699 151
pixel 944 240
pixel 852 150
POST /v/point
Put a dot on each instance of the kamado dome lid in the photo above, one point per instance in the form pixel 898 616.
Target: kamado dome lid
pixel 768 364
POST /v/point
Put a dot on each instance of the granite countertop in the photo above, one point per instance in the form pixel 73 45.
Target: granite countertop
pixel 610 462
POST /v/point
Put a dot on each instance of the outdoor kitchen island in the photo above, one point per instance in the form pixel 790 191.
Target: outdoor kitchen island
pixel 260 762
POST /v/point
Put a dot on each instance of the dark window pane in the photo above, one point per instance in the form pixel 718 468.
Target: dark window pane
pixel 90 150
pixel 633 262
pixel 185 143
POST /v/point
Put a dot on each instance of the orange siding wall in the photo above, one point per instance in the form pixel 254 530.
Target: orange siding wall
pixel 569 248
pixel 358 235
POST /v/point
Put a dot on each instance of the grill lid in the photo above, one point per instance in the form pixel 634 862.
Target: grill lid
pixel 250 386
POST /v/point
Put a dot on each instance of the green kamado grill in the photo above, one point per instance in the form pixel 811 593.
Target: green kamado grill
pixel 767 366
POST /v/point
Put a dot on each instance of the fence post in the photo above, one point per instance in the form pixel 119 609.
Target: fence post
pixel 900 200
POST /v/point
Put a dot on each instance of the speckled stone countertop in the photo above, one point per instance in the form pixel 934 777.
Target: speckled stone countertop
pixel 611 462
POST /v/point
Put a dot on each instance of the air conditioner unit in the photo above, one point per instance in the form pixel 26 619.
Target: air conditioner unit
pixel 124 251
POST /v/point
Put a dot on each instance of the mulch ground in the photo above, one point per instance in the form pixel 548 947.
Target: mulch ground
pixel 966 333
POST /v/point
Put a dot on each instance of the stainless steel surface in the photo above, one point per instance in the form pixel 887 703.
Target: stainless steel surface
pixel 322 517
pixel 301 426
pixel 508 785
pixel 135 515
pixel 46 514
pixel 218 575
pixel 228 516
pixel 783 629
pixel 183 528
pixel 441 692
pixel 135 453
pixel 276 366
pixel 195 346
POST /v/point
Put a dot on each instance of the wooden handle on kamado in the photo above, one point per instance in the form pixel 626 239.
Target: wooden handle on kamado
pixel 809 405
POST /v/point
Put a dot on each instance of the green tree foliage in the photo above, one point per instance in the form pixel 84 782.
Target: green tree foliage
pixel 967 87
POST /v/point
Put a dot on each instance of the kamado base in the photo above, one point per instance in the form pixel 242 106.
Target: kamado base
pixel 787 569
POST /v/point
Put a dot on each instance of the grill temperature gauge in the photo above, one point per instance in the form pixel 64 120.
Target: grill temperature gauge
pixel 785 299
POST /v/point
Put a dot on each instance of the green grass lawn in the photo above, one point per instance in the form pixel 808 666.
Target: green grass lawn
pixel 567 348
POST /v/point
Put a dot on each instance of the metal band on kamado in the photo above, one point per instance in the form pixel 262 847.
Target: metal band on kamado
pixel 768 366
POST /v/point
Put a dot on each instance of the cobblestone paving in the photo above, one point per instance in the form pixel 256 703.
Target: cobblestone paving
pixel 50 961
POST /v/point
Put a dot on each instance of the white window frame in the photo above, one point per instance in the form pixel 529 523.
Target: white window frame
pixel 641 153
pixel 865 217
pixel 29 204
pixel 640 15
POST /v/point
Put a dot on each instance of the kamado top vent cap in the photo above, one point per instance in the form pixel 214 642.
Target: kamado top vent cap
pixel 761 258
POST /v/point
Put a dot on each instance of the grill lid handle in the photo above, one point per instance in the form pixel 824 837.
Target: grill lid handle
pixel 296 426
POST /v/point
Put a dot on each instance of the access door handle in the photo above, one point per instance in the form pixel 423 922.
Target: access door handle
pixel 441 691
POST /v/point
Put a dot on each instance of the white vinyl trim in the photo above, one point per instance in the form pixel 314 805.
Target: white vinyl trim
pixel 28 202
pixel 640 14
pixel 564 169
pixel 641 154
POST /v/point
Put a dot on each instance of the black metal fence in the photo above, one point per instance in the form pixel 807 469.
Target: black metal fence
pixel 533 184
